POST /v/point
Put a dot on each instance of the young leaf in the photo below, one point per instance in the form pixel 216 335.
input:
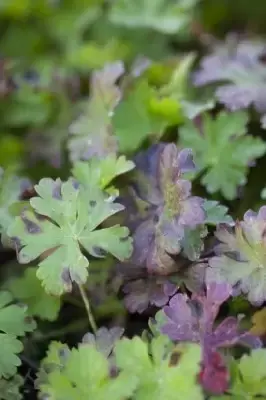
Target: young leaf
pixel 14 323
pixel 74 213
pixel 222 150
pixel 161 15
pixel 28 289
pixel 240 258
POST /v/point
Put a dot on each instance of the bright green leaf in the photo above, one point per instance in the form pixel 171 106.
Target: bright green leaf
pixel 222 150
pixel 13 323
pixel 74 214
pixel 132 120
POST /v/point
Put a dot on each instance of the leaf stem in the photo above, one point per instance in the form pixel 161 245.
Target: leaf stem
pixel 88 308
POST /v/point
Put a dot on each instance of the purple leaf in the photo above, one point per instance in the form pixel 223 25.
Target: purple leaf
pixel 159 183
pixel 193 320
pixel 240 256
pixel 240 72
pixel 104 339
pixel 144 292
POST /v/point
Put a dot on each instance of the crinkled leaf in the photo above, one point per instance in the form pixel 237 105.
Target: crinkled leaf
pixel 222 150
pixel 74 213
pixel 240 256
pixel 161 15
pixel 28 289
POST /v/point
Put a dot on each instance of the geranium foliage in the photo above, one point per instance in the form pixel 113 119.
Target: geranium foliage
pixel 132 200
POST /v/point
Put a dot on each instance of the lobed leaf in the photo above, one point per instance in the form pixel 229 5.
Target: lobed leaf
pixel 73 215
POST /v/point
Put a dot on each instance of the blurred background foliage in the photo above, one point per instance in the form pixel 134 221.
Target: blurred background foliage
pixel 49 48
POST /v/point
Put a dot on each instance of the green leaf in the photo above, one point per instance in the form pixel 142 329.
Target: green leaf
pixel 164 16
pixel 29 290
pixel 249 381
pixel 223 151
pixel 157 378
pixel 10 389
pixel 10 190
pixel 132 120
pixel 91 133
pixel 13 323
pixel 101 172
pixel 192 242
pixel 69 24
pixel 74 214
pixel 83 374
pixel 216 213
pixel 28 107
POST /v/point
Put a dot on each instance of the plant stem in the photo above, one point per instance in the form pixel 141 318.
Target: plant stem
pixel 88 308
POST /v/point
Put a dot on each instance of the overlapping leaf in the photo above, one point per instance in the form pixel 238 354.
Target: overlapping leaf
pixel 222 150
pixel 73 215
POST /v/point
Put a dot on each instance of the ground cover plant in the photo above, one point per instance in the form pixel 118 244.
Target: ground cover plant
pixel 132 200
